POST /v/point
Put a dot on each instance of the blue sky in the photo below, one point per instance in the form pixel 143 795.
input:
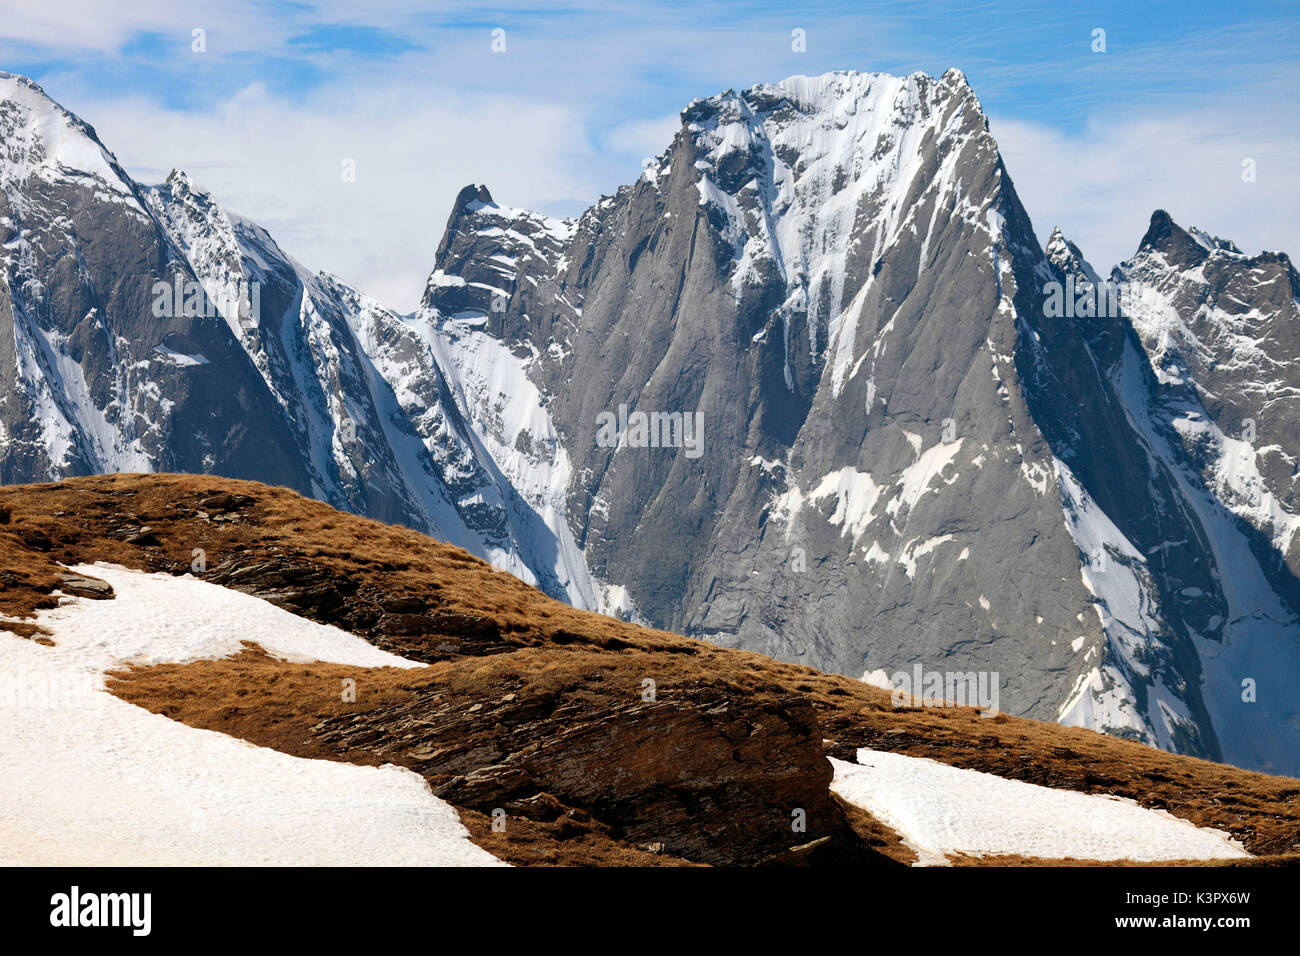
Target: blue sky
pixel 414 94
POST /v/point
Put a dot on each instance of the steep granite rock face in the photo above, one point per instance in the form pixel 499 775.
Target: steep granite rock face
pixel 904 454
pixel 829 275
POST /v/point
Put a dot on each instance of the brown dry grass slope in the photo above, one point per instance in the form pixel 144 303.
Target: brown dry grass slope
pixel 542 710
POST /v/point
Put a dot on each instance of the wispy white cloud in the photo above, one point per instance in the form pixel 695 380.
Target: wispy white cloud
pixel 92 26
pixel 1101 185
pixel 282 165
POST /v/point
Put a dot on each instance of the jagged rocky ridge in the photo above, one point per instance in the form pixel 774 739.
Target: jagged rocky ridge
pixel 1203 364
pixel 902 459
pixel 255 367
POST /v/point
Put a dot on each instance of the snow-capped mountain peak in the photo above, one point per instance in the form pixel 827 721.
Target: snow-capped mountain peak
pixel 40 139
pixel 811 178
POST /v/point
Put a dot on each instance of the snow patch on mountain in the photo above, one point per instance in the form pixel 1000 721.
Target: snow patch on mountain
pixel 856 494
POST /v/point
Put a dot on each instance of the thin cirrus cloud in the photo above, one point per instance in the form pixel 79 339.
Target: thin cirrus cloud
pixel 286 92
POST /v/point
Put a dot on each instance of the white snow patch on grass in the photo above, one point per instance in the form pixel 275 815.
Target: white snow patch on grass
pixel 97 781
pixel 878 678
pixel 937 810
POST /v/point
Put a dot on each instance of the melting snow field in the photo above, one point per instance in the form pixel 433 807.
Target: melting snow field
pixel 92 780
pixel 937 809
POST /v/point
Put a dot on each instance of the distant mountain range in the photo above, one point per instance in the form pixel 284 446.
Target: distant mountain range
pixel 810 386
